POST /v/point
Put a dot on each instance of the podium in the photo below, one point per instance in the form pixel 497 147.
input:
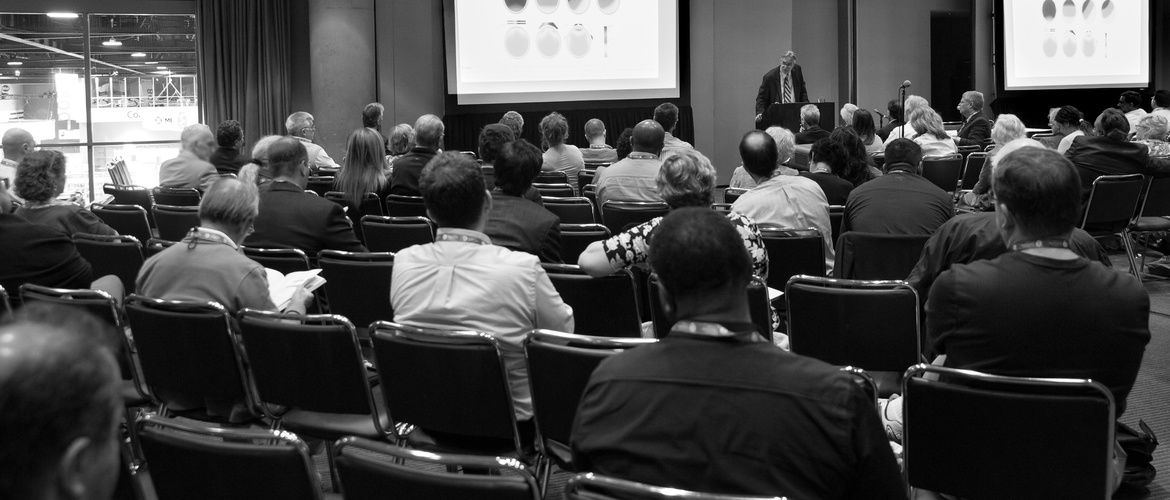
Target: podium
pixel 787 115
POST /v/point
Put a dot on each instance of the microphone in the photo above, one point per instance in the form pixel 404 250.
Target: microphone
pixel 879 113
pixel 905 84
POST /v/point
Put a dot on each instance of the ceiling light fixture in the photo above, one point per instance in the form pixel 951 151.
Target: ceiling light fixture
pixel 62 15
pixel 150 62
pixel 138 54
pixel 15 63
pixel 162 72
pixel 112 43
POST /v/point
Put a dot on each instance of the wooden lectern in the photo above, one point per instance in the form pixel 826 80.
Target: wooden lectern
pixel 788 115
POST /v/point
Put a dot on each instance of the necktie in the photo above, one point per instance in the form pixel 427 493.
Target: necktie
pixel 787 89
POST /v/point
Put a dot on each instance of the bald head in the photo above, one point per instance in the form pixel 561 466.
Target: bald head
pixel 648 137
pixel 199 140
pixel 17 142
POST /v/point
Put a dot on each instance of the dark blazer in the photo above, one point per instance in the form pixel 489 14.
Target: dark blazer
pixel 229 160
pixel 884 132
pixel 772 90
pixel 1097 156
pixel 407 169
pixel 811 135
pixel 292 218
pixel 836 189
pixel 975 129
pixel 519 224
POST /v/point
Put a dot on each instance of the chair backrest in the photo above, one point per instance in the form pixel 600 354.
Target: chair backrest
pixel 560 190
pixel 1113 203
pixel 792 252
pixel 489 176
pixel 551 177
pixel 5 304
pixel 731 194
pixel 869 324
pixel 971 169
pixel 311 363
pixel 119 255
pixel 175 196
pixel 125 219
pixel 174 222
pixel 285 260
pixel 723 208
pixel 590 486
pixel 589 191
pixel 129 195
pixel 876 256
pixel 944 172
pixel 358 285
pixel 186 348
pixel 391 234
pixel 758 305
pixel 576 237
pixel 966 427
pixel 447 381
pixel 371 204
pixel 1157 197
pixel 198 462
pixel 367 470
pixel 319 184
pixel 879 160
pixel 618 215
pixel 865 380
pixel 154 246
pixel 571 209
pixel 585 176
pixel 559 367
pixel 836 215
pixel 119 173
pixel 606 306
pixel 398 205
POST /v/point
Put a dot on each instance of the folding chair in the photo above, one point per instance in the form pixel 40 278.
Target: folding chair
pixel 731 194
pixel 589 191
pixel 188 461
pixel 174 222
pixel 119 255
pixel 1154 213
pixel 590 486
pixel 130 220
pixel 585 176
pixel 174 196
pixel 551 177
pixel 154 246
pixel 285 260
pixel 563 190
pixel 791 252
pixel 836 215
pixel 723 208
pixel 877 256
pixel 943 171
pixel 971 168
pixel 319 184
pixel 874 325
pixel 879 160
pixel 571 209
pixel 1112 208
pixel 863 379
pixel 118 172
pixel 371 205
pixel 358 286
pixel 575 238
pixel 758 305
pixel 619 215
pixel 368 470
pixel 391 234
pixel 405 206
pixel 606 306
pixel 129 195
pixel 1033 437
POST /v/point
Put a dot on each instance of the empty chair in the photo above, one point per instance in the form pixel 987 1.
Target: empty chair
pixel 560 190
pixel 1037 438
pixel 131 220
pixel 572 209
pixel 176 196
pixel 319 184
pixel 792 252
pixel 731 194
pixel 1112 208
pixel 1155 210
pixel 129 195
pixel 576 237
pixel 875 256
pixel 606 306
pixel 358 285
pixel 197 462
pixel 758 305
pixel 590 486
pixel 552 177
pixel 175 222
pixel 971 168
pixel 367 470
pixel 398 205
pixel 873 325
pixel 391 234
pixel 119 255
pixel 119 173
pixel 619 215
pixel 944 172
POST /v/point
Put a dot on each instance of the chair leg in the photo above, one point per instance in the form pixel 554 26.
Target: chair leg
pixel 544 475
pixel 332 469
pixel 1133 267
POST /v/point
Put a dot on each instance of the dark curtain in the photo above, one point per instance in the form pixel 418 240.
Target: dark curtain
pixel 462 130
pixel 246 63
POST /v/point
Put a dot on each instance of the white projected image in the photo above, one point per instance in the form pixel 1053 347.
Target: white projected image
pixel 1075 43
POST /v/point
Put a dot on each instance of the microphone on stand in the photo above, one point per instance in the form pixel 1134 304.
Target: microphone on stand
pixel 881 118
pixel 905 84
pixel 905 117
pixel 879 113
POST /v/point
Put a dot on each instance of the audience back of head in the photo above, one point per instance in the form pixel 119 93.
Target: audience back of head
pixel 666 114
pixel 686 179
pixel 40 176
pixel 401 139
pixel 864 126
pixel 594 130
pixel 1041 189
pixel 372 115
pixel 428 132
pixel 514 121
pixel 286 157
pixel 491 139
pixel 623 145
pixel 1007 128
pixel 699 257
pixel 830 153
pixel 1113 124
pixel 903 150
pixel 452 190
pixel 517 165
pixel 785 143
pixel 810 115
pixel 554 129
pixel 229 133
pixel 229 202
pixel 758 152
pixel 857 167
pixel 648 137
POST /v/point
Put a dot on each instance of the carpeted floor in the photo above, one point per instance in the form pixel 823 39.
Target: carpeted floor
pixel 1150 398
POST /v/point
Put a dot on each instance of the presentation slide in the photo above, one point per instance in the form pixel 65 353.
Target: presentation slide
pixel 1076 43
pixel 506 51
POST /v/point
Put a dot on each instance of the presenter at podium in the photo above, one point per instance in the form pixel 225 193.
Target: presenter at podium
pixel 783 84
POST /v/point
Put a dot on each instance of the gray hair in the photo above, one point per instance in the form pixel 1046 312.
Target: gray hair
pixel 914 102
pixel 785 143
pixel 297 122
pixel 810 115
pixel 428 131
pixel 401 139
pixel 976 99
pixel 1155 127
pixel 1007 128
pixel 686 179
pixel 230 201
pixel 260 150
pixel 847 113
pixel 194 133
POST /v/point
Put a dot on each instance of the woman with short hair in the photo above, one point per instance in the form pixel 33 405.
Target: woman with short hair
pixel 1151 131
pixel 560 157
pixel 40 179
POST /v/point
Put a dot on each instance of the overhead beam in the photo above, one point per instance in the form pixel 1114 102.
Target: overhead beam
pixel 65 52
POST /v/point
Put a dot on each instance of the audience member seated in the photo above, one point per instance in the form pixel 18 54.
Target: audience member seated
pixel 632 179
pixel 847 112
pixel 864 127
pixel 372 119
pixel 302 126
pixel 227 158
pixel 622 146
pixel 363 172
pixel 894 108
pixel 191 168
pixel 1130 103
pixel 900 202
pixel 930 134
pixel 40 180
pixel 785 149
pixel 560 157
pixel 464 281
pixel 827 159
pixel 428 139
pixel 61 406
pixel 810 130
pixel 514 121
pixel 289 216
pixel 1151 131
pixel 913 102
pixel 666 114
pixel 257 171
pixel 399 143
pixel 785 200
pixel 1071 123
pixel 492 139
pixel 713 407
pixel 859 167
pixel 976 128
pixel 1008 128
pixel 16 143
pixel 514 222
pixel 1051 141
pixel 598 151
pixel 1108 152
pixel 1161 104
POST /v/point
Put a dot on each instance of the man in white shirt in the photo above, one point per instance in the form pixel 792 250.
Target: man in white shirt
pixel 1130 103
pixel 633 178
pixel 464 281
pixel 302 126
pixel 666 114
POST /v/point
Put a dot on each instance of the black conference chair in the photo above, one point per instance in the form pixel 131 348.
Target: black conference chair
pixel 723 208
pixel 606 306
pixel 589 191
pixel 319 184
pixel 371 205
pixel 154 246
pixel 285 260
pixel 836 215
pixel 551 177
pixel 967 426
pixel 590 486
pixel 391 234
pixel 791 252
pixel 877 256
pixel 865 381
pixel 879 160
pixel 174 222
pixel 405 206
pixel 944 172
pixel 129 195
pixel 874 325
pixel 575 238
pixel 189 462
pixel 585 176
pixel 358 286
pixel 368 470
pixel 731 194
pixel 131 220
pixel 971 168
pixel 562 190
pixel 178 197
pixel 1155 210
pixel 1112 208
pixel 489 176
pixel 758 305
pixel 119 255
pixel 619 215
pixel 571 209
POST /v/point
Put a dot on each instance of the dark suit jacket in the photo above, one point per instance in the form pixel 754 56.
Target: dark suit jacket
pixel 811 135
pixel 1097 156
pixel 292 218
pixel 229 160
pixel 884 132
pixel 975 130
pixel 836 189
pixel 519 224
pixel 407 169
pixel 772 90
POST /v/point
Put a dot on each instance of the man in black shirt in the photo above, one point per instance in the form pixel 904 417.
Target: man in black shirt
pixel 900 202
